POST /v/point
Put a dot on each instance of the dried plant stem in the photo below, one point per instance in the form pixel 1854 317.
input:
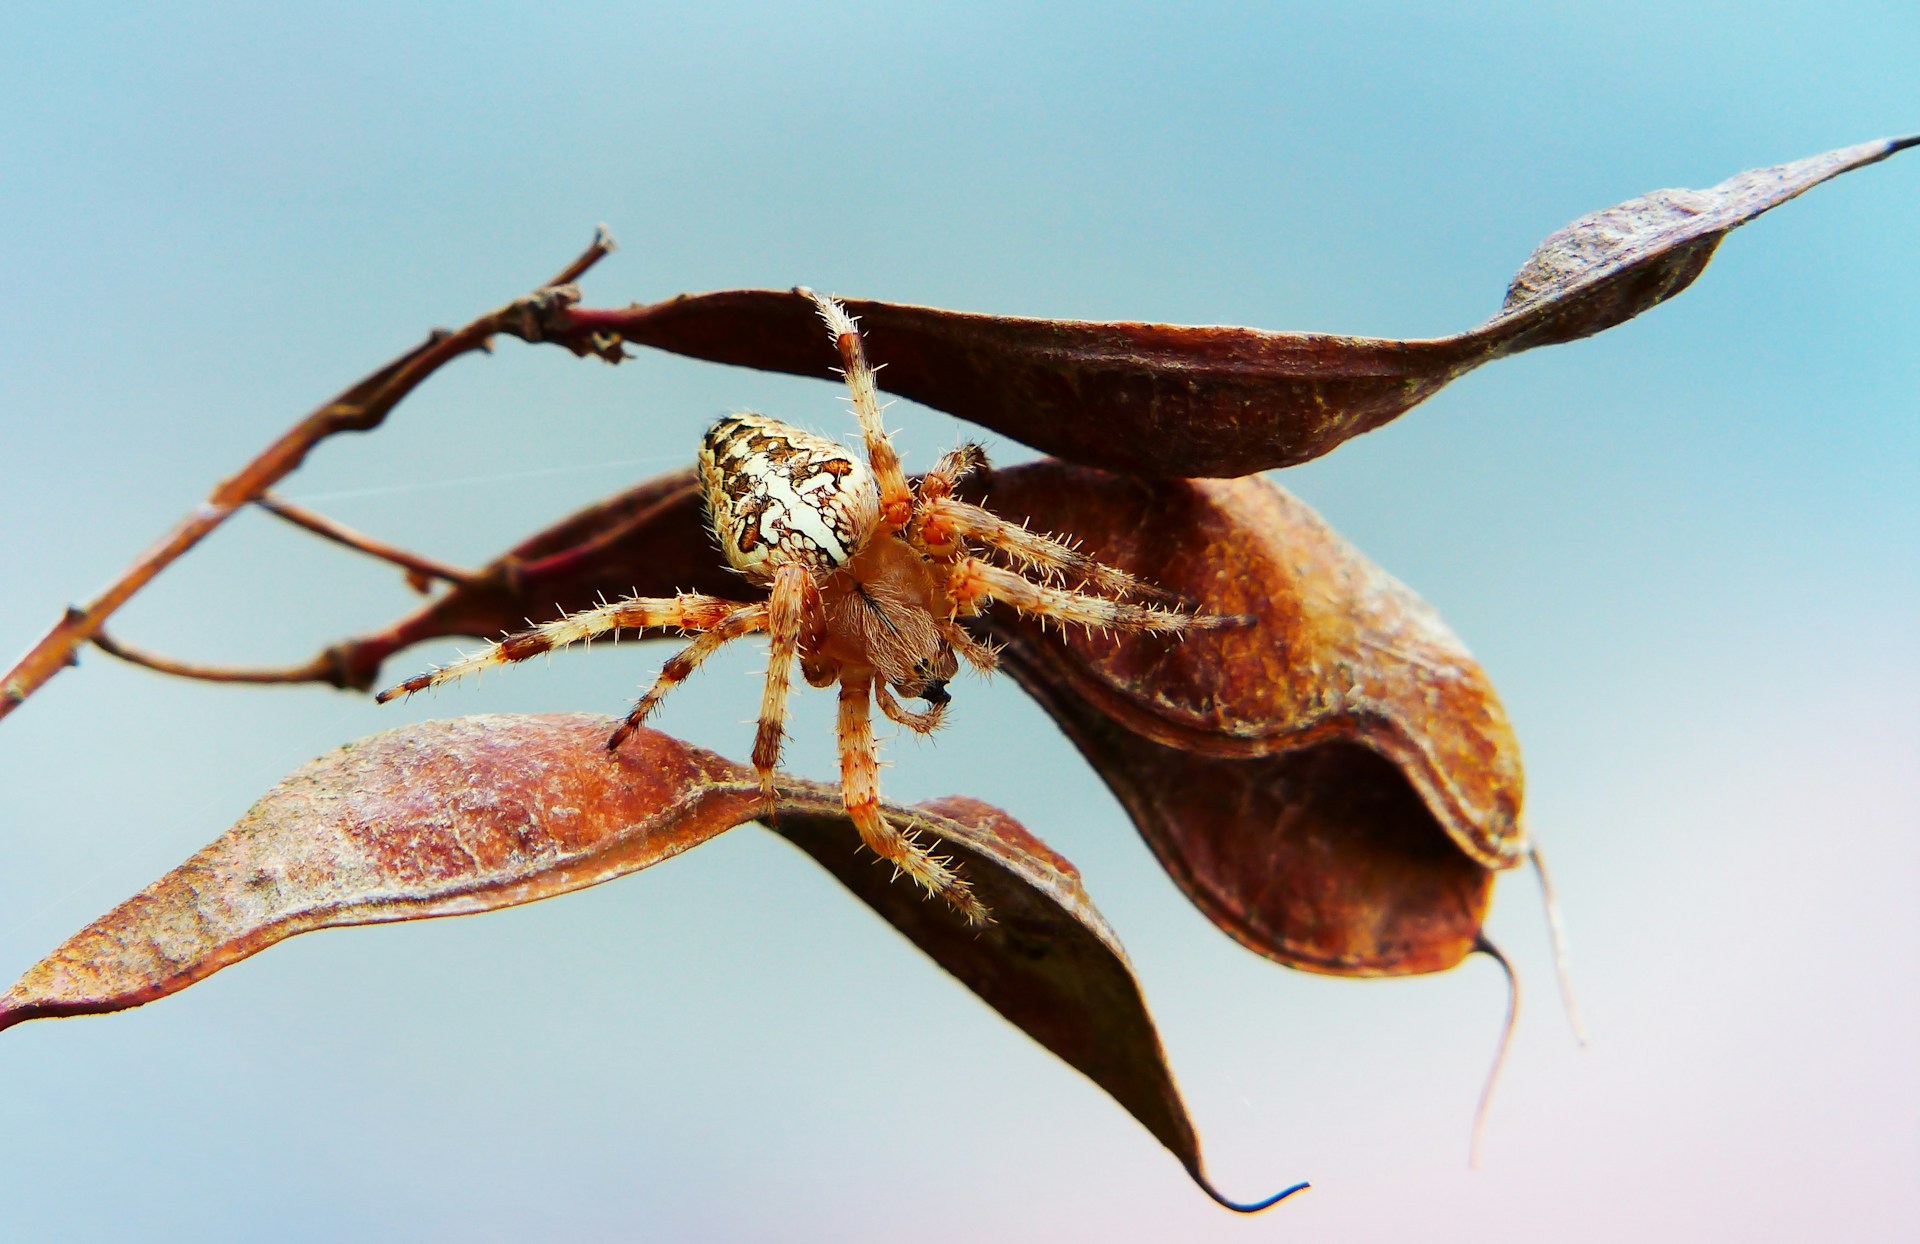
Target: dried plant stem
pixel 360 408
pixel 1480 1112
pixel 421 570
pixel 1557 933
pixel 322 668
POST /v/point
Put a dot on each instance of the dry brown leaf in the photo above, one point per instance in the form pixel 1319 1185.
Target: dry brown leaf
pixel 1161 399
pixel 432 820
pixel 1262 810
pixel 479 813
pixel 1331 784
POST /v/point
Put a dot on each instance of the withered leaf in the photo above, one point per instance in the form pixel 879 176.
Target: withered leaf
pixel 478 813
pixel 1262 810
pixel 1330 784
pixel 1160 399
pixel 436 820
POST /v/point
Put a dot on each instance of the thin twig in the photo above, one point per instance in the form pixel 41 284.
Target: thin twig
pixel 598 249
pixel 322 668
pixel 1557 933
pixel 360 408
pixel 421 569
pixel 1481 1111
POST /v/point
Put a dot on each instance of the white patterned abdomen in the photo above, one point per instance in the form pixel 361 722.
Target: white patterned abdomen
pixel 777 495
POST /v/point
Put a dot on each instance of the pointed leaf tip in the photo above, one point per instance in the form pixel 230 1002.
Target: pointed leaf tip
pixel 1245 1207
pixel 1611 265
pixel 1048 963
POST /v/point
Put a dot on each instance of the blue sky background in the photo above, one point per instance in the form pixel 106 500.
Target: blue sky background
pixel 1684 550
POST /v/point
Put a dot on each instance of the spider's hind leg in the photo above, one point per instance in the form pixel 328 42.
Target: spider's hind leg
pixel 682 663
pixel 793 601
pixel 860 790
pixel 954 465
pixel 686 612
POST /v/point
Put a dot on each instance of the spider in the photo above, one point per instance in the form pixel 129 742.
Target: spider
pixel 867 577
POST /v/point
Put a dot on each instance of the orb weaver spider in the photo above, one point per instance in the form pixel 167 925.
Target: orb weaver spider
pixel 867 578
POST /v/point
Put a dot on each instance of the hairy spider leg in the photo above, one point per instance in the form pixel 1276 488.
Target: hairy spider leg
pixel 896 499
pixel 942 520
pixel 860 790
pixel 688 612
pixel 973 582
pixel 681 664
pixel 794 598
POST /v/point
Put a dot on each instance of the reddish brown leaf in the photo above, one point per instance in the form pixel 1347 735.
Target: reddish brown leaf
pixel 1160 399
pixel 478 813
pixel 1330 784
pixel 1281 832
pixel 1336 647
pixel 1323 858
pixel 430 820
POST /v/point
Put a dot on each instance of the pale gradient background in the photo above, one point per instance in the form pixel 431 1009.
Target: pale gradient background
pixel 1685 550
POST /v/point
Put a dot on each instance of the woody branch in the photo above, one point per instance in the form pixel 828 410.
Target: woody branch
pixel 360 408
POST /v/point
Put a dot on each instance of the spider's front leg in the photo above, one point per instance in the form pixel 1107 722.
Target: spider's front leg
pixel 971 583
pixel 924 722
pixel 860 789
pixel 943 525
pixel 896 498
pixel 680 665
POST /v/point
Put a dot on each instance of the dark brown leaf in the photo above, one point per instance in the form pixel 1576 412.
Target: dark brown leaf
pixel 1323 858
pixel 1262 809
pixel 1160 399
pixel 1049 962
pixel 478 813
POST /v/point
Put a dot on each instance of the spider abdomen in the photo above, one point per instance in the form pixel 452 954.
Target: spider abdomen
pixel 777 495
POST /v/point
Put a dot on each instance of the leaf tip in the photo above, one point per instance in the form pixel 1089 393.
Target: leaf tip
pixel 1485 1107
pixel 1242 1207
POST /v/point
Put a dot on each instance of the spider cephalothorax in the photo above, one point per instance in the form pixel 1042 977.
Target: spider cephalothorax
pixel 867 576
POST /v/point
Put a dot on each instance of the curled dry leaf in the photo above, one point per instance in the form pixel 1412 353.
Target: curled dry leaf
pixel 1331 784
pixel 1160 399
pixel 480 813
